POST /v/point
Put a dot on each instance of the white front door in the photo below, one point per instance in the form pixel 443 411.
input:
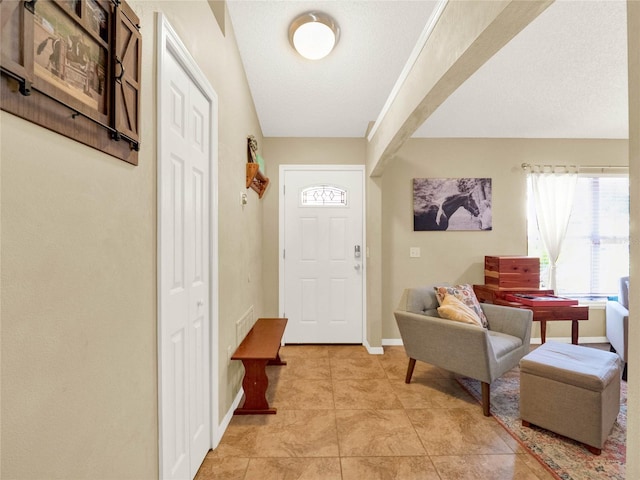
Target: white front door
pixel 185 155
pixel 322 258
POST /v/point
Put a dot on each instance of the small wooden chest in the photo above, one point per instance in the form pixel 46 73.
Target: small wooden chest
pixel 512 272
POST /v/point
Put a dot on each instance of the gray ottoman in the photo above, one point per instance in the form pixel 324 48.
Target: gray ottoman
pixel 571 390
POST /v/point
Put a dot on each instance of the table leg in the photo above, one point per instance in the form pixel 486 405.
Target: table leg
pixel 543 331
pixel 255 383
pixel 574 332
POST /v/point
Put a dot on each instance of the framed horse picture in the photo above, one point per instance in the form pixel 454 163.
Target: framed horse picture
pixel 451 204
pixel 73 67
pixel 68 56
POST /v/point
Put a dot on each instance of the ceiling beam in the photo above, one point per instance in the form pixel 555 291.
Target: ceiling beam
pixel 466 35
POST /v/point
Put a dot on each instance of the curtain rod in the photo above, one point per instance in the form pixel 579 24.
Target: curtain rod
pixel 528 166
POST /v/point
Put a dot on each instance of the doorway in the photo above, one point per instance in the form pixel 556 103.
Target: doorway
pixel 322 253
pixel 187 259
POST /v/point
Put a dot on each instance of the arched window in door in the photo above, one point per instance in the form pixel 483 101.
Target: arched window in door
pixel 323 195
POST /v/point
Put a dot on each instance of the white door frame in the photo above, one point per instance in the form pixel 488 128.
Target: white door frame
pixel 170 44
pixel 281 283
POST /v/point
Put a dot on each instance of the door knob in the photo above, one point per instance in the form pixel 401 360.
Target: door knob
pixel 357 266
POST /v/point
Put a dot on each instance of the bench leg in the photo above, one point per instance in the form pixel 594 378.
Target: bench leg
pixel 255 383
pixel 277 360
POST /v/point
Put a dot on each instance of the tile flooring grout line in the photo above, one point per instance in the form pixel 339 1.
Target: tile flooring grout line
pixel 254 466
pixel 424 447
pixel 335 414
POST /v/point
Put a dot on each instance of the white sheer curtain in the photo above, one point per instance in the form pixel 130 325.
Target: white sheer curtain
pixel 553 192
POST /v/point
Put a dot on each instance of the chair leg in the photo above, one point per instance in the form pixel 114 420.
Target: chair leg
pixel 486 399
pixel 412 364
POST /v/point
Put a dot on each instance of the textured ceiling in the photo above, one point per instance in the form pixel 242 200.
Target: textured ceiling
pixel 564 76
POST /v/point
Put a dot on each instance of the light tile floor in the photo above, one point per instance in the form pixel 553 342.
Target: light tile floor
pixel 345 414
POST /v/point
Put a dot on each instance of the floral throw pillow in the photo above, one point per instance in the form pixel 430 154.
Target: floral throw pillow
pixel 465 294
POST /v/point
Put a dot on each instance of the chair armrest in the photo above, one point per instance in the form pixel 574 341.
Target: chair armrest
pixel 616 310
pixel 509 320
pixel 454 346
pixel 617 327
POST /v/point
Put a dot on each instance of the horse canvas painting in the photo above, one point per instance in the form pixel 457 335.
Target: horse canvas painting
pixel 452 204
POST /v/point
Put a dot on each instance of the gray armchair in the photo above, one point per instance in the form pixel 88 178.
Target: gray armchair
pixel 469 350
pixel 617 323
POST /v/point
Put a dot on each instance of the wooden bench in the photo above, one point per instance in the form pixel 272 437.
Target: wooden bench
pixel 261 347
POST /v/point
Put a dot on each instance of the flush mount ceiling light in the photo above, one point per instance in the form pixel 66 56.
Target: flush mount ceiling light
pixel 313 35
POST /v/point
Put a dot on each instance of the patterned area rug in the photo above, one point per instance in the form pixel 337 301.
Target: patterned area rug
pixel 565 458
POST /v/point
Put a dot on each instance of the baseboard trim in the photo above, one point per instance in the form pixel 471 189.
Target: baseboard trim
pixel 388 342
pixel 227 418
pixel 373 350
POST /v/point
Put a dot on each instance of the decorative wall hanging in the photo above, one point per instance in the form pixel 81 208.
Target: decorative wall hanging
pixel 73 66
pixel 255 179
pixel 451 204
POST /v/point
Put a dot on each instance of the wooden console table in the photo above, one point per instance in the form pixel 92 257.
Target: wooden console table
pixel 542 314
pixel 261 347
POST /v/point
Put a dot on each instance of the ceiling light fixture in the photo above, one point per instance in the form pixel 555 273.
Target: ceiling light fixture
pixel 313 35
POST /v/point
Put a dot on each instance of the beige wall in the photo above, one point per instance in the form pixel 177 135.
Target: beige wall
pixel 78 298
pixel 459 256
pixel 79 368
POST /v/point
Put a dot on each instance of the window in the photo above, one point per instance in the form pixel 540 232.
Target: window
pixel 323 195
pixel 595 252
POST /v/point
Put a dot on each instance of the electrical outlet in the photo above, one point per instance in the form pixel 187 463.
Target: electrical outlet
pixel 243 199
pixel 414 252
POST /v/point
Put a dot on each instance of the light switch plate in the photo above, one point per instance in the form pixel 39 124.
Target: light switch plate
pixel 414 252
